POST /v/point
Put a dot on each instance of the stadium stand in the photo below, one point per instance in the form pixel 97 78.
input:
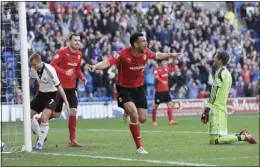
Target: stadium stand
pixel 105 28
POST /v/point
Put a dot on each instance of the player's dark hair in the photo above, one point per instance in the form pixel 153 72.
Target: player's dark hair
pixel 224 57
pixel 72 35
pixel 134 37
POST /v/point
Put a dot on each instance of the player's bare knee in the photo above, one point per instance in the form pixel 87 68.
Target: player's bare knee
pixel 133 117
pixel 46 113
pixel 154 106
pixel 169 104
pixel 142 119
pixel 73 111
pixel 44 118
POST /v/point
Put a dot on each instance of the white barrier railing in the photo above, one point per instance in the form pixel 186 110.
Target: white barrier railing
pixel 96 110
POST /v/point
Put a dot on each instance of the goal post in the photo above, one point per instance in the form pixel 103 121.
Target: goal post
pixel 25 77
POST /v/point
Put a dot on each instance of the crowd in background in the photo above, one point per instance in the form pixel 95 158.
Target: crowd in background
pixel 106 27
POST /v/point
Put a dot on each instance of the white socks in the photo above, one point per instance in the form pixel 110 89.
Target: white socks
pixel 35 126
pixel 44 128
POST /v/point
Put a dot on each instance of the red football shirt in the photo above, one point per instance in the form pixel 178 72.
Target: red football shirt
pixel 64 60
pixel 130 67
pixel 161 76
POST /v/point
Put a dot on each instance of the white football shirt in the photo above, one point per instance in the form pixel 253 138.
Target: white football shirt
pixel 47 78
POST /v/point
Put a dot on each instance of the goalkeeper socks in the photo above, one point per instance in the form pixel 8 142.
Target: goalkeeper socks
pixel 154 115
pixel 228 139
pixel 44 128
pixel 170 110
pixel 241 137
pixel 72 127
pixel 35 126
pixel 135 130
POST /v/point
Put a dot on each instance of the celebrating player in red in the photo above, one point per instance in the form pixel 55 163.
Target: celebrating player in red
pixel 162 91
pixel 67 64
pixel 130 63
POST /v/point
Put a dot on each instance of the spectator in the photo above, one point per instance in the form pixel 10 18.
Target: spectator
pixel 193 88
pixel 203 93
pixel 198 34
pixel 150 82
pixel 245 73
pixel 240 87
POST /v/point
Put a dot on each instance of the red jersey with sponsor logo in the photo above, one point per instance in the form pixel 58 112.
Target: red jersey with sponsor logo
pixel 130 67
pixel 161 76
pixel 64 60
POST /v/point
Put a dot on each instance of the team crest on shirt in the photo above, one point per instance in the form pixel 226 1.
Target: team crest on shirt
pixel 44 79
pixel 145 57
pixel 67 54
pixel 78 56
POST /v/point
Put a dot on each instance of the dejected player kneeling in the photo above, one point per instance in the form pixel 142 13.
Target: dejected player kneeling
pixel 130 63
pixel 216 110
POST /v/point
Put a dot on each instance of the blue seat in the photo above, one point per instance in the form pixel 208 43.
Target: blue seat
pixel 104 98
pixel 244 30
pixel 83 99
pixel 150 97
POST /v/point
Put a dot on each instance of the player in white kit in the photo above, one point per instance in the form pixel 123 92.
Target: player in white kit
pixel 47 97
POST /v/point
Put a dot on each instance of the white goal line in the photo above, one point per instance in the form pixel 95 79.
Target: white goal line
pixel 127 159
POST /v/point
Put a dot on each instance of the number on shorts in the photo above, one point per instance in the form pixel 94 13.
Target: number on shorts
pixel 51 101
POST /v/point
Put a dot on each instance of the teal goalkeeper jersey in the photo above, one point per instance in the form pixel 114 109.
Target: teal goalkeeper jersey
pixel 220 89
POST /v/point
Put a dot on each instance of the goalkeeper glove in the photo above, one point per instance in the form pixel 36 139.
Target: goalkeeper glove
pixel 205 116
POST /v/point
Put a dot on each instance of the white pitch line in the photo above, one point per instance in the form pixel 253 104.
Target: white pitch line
pixel 219 158
pixel 126 159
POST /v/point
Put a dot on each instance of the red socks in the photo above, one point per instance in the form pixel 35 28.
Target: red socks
pixel 72 127
pixel 154 115
pixel 135 130
pixel 170 117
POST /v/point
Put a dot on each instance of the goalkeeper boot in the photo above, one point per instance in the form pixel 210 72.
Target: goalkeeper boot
pixel 172 122
pixel 74 143
pixel 141 150
pixel 248 136
pixel 38 146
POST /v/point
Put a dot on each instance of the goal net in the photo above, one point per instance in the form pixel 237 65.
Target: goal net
pixel 12 115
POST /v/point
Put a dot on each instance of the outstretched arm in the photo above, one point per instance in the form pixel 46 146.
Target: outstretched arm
pixel 115 59
pixel 167 55
pixel 99 66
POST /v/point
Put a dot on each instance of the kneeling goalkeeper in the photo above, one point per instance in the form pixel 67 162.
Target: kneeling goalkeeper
pixel 216 110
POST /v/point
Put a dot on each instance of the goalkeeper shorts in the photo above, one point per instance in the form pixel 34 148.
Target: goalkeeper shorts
pixel 218 121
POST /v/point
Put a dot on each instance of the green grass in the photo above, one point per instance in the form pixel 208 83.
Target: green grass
pixel 108 142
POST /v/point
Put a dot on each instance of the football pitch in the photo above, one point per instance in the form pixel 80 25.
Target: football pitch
pixel 108 142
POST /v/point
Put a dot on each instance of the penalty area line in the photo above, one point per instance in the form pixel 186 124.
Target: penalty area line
pixel 126 159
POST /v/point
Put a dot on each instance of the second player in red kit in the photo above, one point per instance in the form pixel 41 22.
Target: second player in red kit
pixel 67 63
pixel 162 94
pixel 130 62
